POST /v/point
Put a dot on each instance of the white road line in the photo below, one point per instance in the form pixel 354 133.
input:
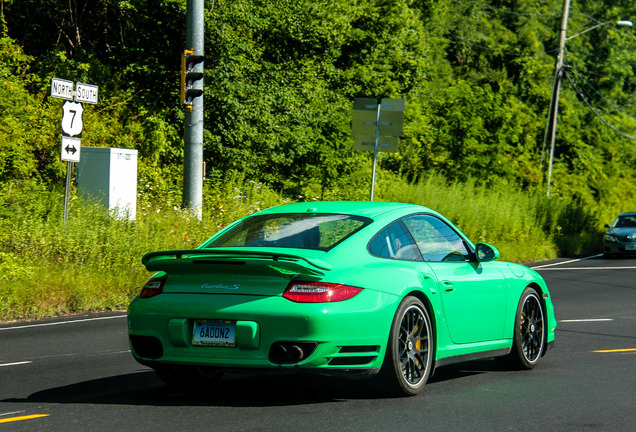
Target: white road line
pixel 15 363
pixel 586 320
pixel 61 322
pixel 566 262
pixel 118 352
pixel 11 413
pixel 114 352
pixel 586 268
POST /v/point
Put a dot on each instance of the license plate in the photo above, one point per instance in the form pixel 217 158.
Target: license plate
pixel 630 247
pixel 214 333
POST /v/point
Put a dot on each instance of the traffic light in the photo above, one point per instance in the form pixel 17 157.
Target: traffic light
pixel 188 77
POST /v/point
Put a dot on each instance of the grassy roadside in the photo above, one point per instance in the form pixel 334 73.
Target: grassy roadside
pixel 93 261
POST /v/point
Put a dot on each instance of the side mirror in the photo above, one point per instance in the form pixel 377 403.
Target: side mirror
pixel 607 225
pixel 486 252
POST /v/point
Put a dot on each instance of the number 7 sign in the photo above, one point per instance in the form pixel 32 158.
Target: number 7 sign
pixel 72 119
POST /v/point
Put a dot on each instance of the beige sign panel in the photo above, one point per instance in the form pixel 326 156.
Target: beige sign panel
pixel 365 104
pixel 364 122
pixel 393 104
pixel 372 104
pixel 367 143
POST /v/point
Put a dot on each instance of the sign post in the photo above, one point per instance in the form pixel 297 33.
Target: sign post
pixel 376 127
pixel 72 123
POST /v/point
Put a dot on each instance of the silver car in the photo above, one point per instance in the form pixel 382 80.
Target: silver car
pixel 620 239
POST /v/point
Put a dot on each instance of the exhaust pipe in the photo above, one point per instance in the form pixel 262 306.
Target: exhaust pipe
pixel 290 352
pixel 278 353
pixel 295 353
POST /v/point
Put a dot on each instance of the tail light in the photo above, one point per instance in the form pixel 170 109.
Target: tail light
pixel 319 292
pixel 153 287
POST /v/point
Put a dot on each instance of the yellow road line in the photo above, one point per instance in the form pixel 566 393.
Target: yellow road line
pixel 29 417
pixel 616 350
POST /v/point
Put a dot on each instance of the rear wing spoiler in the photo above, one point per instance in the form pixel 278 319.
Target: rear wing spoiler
pixel 160 260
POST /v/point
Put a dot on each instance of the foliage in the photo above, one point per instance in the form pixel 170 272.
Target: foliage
pixel 280 78
pixel 93 261
pixel 312 58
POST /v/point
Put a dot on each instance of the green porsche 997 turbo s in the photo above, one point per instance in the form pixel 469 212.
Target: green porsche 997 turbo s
pixel 366 289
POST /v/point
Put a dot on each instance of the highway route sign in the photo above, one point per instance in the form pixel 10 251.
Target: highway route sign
pixel 72 126
pixel 72 123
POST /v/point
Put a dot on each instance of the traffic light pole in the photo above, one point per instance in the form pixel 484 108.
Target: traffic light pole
pixel 193 128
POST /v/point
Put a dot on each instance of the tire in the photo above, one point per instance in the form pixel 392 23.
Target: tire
pixel 188 376
pixel 410 350
pixel 529 332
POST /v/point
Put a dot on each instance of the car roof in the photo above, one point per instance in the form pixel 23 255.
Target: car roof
pixel 370 209
pixel 628 214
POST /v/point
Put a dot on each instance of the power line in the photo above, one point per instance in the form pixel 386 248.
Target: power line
pixel 611 104
pixel 584 100
pixel 586 72
pixel 555 11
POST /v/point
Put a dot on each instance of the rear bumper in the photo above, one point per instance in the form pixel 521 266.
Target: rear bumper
pixel 350 336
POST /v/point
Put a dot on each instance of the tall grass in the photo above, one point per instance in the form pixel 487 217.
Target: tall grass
pixel 524 227
pixel 92 262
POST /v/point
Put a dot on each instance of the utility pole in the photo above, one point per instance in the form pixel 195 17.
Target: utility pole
pixel 193 130
pixel 558 75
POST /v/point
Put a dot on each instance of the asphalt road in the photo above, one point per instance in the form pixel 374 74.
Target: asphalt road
pixel 76 374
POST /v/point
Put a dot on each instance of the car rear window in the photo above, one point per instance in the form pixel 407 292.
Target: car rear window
pixel 291 230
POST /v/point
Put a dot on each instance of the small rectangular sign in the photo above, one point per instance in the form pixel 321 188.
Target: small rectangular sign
pixel 86 93
pixel 71 149
pixel 62 89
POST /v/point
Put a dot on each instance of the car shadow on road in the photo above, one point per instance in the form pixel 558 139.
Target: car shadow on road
pixel 233 390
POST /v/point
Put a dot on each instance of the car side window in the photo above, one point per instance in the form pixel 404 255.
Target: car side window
pixel 437 241
pixel 395 242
